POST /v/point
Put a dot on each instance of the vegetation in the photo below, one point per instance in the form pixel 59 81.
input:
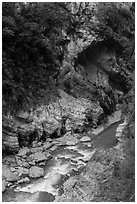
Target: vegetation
pixel 32 49
pixel 35 40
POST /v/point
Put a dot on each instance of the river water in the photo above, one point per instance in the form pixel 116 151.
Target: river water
pixel 66 162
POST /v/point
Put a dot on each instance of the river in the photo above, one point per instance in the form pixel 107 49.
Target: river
pixel 66 162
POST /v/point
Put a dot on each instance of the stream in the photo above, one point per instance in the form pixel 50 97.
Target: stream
pixel 66 162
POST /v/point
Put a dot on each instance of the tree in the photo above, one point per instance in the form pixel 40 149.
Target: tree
pixel 32 48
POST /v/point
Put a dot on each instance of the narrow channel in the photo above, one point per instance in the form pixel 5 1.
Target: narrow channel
pixel 66 162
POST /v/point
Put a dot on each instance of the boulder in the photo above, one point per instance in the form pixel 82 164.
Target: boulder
pixel 36 172
pixel 22 162
pixel 22 171
pixel 50 125
pixel 47 154
pixel 8 175
pixel 71 143
pixel 75 123
pixel 47 145
pixel 53 148
pixel 39 157
pixel 12 169
pixel 69 139
pixel 85 139
pixel 36 149
pixel 4 184
pixel 26 134
pixel 23 151
pixel 31 163
pixel 24 180
pixel 19 162
pixel 9 138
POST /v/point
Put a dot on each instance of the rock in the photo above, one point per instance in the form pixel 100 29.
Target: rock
pixel 49 140
pixel 50 125
pixel 7 174
pixel 39 144
pixel 12 177
pixel 69 139
pixel 36 149
pixel 53 148
pixel 19 162
pixel 9 184
pixel 70 183
pixel 24 180
pixel 26 134
pixel 24 117
pixel 32 163
pixel 36 144
pixel 23 151
pixel 47 145
pixel 48 155
pixel 26 129
pixel 95 115
pixel 36 172
pixel 39 156
pixel 115 117
pixel 41 164
pixel 85 139
pixel 56 141
pixel 22 171
pixel 69 143
pixel 9 160
pixel 25 171
pixel 97 130
pixel 4 184
pixel 9 138
pixel 12 169
pixel 25 164
pixel 119 131
pixel 74 123
pixel 89 145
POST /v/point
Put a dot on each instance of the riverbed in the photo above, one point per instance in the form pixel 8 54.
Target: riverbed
pixel 67 161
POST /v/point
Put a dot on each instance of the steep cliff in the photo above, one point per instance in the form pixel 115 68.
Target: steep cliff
pixel 75 74
pixel 90 75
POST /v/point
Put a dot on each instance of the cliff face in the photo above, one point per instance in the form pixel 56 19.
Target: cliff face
pixel 90 85
pixel 84 97
pixel 89 77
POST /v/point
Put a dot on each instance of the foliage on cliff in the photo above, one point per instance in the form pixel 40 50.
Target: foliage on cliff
pixel 35 41
pixel 116 23
pixel 32 48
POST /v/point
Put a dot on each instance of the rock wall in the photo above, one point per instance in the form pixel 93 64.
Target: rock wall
pixel 94 183
pixel 82 100
pixel 85 95
pixel 66 113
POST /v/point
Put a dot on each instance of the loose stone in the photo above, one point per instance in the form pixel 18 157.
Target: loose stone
pixel 35 172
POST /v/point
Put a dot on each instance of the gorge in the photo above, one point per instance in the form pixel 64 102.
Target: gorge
pixel 68 102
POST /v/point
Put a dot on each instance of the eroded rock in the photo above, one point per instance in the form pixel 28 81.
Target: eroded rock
pixel 47 145
pixel 8 175
pixel 85 139
pixel 22 171
pixel 36 172
pixel 24 180
pixel 39 157
pixel 36 149
pixel 23 151
pixel 9 136
pixel 4 184
pixel 69 139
